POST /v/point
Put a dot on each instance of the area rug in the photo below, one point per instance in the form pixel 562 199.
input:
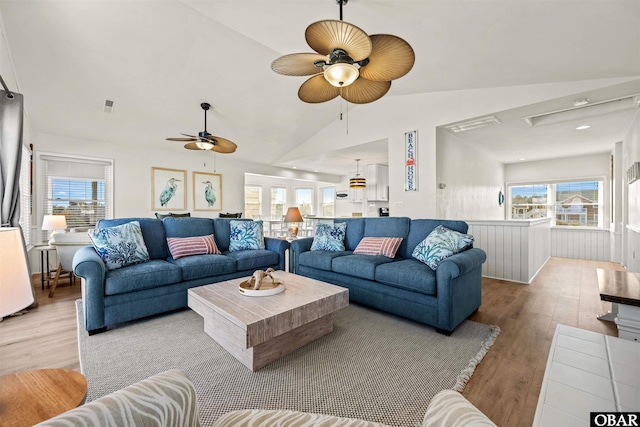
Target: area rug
pixel 373 365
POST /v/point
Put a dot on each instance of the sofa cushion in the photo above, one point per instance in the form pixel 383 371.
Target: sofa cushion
pixel 329 237
pixel 121 245
pixel 188 226
pixel 441 243
pixel 186 246
pixel 355 231
pixel 150 274
pixel 408 274
pixel 153 234
pixel 254 259
pixel 362 266
pixel 199 266
pixel 320 259
pixel 386 246
pixel 246 235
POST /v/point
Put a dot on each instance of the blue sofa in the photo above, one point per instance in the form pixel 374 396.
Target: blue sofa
pixel 402 285
pixel 159 285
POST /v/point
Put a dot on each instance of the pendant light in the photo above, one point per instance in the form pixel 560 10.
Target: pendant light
pixel 357 181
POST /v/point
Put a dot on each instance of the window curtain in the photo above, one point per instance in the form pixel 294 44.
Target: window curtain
pixel 11 106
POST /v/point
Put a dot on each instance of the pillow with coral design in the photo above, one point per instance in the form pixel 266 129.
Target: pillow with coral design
pixel 440 244
pixel 246 235
pixel 329 237
pixel 121 245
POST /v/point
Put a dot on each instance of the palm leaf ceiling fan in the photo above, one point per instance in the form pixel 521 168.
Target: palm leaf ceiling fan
pixel 348 62
pixel 206 141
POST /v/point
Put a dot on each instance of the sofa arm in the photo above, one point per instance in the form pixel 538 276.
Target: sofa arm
pixel 167 398
pixel 461 263
pixel 297 247
pixel 279 246
pixel 88 265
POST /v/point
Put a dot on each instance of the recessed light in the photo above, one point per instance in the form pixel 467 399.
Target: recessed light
pixel 583 127
pixel 580 102
pixel 522 160
pixel 294 167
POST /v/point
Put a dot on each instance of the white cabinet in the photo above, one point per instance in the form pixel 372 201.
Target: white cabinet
pixel 378 183
pixel 355 194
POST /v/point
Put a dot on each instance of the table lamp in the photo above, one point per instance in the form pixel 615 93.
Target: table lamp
pixel 15 282
pixel 54 223
pixel 293 215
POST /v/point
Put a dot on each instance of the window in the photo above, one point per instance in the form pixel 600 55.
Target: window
pixel 79 188
pixel 328 201
pixel 278 202
pixel 25 195
pixel 575 203
pixel 304 201
pixel 252 201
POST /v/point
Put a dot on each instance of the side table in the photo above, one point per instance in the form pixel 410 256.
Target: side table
pixel 622 289
pixel 44 250
pixel 30 397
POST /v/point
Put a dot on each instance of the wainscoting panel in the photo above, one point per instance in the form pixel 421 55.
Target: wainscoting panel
pixel 516 250
pixel 581 243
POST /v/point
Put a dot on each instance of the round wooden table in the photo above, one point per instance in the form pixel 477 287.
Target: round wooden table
pixel 30 397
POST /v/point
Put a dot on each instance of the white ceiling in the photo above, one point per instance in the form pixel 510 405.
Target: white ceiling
pixel 158 60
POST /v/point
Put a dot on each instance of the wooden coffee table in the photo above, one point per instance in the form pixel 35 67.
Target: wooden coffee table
pixel 260 330
pixel 30 397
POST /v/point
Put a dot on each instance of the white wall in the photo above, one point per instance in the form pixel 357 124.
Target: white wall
pixel 631 194
pixel 472 181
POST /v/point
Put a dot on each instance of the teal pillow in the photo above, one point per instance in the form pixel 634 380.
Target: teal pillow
pixel 121 245
pixel 441 243
pixel 246 235
pixel 329 237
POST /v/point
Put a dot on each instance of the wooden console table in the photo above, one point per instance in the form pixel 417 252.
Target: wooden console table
pixel 30 397
pixel 622 289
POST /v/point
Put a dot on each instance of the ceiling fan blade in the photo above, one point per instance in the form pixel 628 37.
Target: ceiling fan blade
pixel 192 146
pixel 363 91
pixel 390 59
pixel 325 36
pixel 180 139
pixel 298 64
pixel 317 89
pixel 222 145
pixel 191 136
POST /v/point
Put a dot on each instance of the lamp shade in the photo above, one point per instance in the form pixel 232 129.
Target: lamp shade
pixel 15 283
pixel 341 74
pixel 293 215
pixel 54 222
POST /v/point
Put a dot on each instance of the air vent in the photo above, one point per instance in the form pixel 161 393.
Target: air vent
pixel 585 110
pixel 108 106
pixel 474 124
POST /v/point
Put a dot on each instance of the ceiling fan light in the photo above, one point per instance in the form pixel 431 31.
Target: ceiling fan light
pixel 341 74
pixel 203 145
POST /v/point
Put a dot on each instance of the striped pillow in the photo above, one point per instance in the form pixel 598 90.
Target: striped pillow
pixel 186 246
pixel 387 246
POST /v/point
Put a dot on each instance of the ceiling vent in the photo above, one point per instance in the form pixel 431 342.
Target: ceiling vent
pixel 585 110
pixel 108 106
pixel 474 124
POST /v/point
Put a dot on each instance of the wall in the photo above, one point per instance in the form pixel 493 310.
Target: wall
pixel 472 187
pixel 631 194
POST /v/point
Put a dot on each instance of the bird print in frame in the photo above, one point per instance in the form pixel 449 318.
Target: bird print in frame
pixel 207 191
pixel 168 189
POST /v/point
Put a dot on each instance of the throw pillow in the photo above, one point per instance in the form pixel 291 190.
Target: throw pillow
pixel 186 246
pixel 441 243
pixel 121 245
pixel 387 246
pixel 329 237
pixel 246 235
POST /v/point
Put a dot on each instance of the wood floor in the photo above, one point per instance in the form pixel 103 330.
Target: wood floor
pixel 505 385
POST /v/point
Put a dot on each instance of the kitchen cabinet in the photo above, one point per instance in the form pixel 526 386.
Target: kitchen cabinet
pixel 356 194
pixel 377 183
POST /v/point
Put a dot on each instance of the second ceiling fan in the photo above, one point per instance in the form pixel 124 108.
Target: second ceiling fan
pixel 204 140
pixel 348 62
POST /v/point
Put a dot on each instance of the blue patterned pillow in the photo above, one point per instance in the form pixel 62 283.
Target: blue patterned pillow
pixel 121 245
pixel 329 237
pixel 441 243
pixel 246 235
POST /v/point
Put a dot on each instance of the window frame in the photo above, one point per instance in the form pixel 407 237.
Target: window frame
pixel 271 202
pixel 322 205
pixel 312 198
pixel 552 204
pixel 260 202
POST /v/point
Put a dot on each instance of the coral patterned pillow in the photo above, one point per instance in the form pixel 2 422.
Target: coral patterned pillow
pixel 121 245
pixel 441 243
pixel 387 246
pixel 186 246
pixel 245 235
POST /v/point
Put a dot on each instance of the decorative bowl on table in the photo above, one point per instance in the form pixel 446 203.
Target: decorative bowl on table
pixel 261 284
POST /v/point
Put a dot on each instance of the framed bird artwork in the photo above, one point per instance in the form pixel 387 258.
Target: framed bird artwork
pixel 207 191
pixel 168 189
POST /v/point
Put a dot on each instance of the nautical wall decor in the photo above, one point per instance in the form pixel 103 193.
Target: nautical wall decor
pixel 207 191
pixel 411 161
pixel 168 189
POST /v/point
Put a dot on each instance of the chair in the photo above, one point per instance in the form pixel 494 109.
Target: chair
pixel 66 245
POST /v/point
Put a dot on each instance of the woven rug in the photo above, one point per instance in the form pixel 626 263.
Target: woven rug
pixel 373 365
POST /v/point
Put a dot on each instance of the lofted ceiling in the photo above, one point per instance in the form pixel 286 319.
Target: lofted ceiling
pixel 158 60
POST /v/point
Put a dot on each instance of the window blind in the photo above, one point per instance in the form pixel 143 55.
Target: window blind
pixel 25 195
